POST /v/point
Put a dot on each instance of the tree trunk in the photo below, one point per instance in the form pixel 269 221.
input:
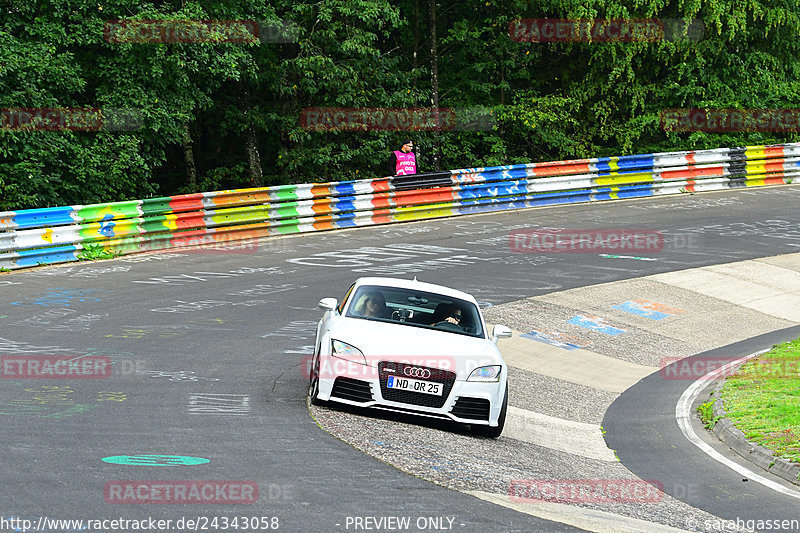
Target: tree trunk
pixel 256 176
pixel 416 42
pixel 502 81
pixel 188 157
pixel 435 87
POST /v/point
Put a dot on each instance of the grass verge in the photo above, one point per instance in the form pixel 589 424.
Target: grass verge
pixel 706 413
pixel 762 399
pixel 94 252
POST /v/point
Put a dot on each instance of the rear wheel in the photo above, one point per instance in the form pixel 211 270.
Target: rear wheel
pixel 493 432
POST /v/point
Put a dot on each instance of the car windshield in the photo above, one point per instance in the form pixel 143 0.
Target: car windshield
pixel 415 308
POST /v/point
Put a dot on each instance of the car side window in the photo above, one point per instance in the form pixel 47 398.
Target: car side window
pixel 344 299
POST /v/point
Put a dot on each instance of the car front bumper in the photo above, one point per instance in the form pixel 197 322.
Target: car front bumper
pixel 466 402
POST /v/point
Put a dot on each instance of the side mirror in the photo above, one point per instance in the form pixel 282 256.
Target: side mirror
pixel 500 331
pixel 328 304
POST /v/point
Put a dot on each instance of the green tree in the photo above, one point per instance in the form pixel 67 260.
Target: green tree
pixel 217 114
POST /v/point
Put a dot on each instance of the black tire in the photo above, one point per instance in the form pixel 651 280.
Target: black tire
pixel 489 431
pixel 313 383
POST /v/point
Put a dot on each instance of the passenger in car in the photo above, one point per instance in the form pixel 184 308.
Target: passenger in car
pixel 373 305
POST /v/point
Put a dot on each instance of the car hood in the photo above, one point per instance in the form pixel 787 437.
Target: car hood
pixel 380 341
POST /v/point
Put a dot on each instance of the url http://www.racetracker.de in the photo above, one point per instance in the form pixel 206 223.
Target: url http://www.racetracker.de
pixel 195 523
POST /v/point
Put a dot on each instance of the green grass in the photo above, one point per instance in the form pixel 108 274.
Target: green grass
pixel 762 399
pixel 706 413
pixel 93 252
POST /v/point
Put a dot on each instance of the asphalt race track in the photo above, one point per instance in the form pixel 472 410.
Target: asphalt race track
pixel 642 429
pixel 208 349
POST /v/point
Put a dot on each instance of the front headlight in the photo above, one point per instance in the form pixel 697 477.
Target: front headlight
pixel 486 374
pixel 348 352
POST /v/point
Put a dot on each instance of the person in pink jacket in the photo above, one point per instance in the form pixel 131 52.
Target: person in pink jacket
pixel 403 161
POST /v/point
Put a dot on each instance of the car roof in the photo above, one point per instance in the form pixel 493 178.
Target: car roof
pixel 417 285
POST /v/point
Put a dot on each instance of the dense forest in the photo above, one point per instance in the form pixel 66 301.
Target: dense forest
pixel 243 101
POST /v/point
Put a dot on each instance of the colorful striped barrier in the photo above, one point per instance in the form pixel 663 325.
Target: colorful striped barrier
pixel 60 234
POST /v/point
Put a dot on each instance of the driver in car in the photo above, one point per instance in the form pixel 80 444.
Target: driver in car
pixel 449 313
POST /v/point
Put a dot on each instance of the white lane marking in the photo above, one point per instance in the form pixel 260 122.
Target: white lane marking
pixel 580 517
pixel 683 412
pixel 577 438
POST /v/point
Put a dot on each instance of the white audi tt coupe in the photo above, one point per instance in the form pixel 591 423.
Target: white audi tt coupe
pixel 411 347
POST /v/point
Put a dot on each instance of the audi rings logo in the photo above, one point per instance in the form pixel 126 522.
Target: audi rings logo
pixel 417 372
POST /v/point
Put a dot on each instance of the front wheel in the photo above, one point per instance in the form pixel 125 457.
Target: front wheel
pixel 313 384
pixel 493 432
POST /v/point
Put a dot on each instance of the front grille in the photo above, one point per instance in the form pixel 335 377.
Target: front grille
pixel 386 369
pixel 352 389
pixel 472 408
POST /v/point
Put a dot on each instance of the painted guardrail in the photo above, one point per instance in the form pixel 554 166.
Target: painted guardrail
pixel 59 234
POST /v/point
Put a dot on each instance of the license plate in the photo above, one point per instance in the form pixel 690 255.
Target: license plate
pixel 415 385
